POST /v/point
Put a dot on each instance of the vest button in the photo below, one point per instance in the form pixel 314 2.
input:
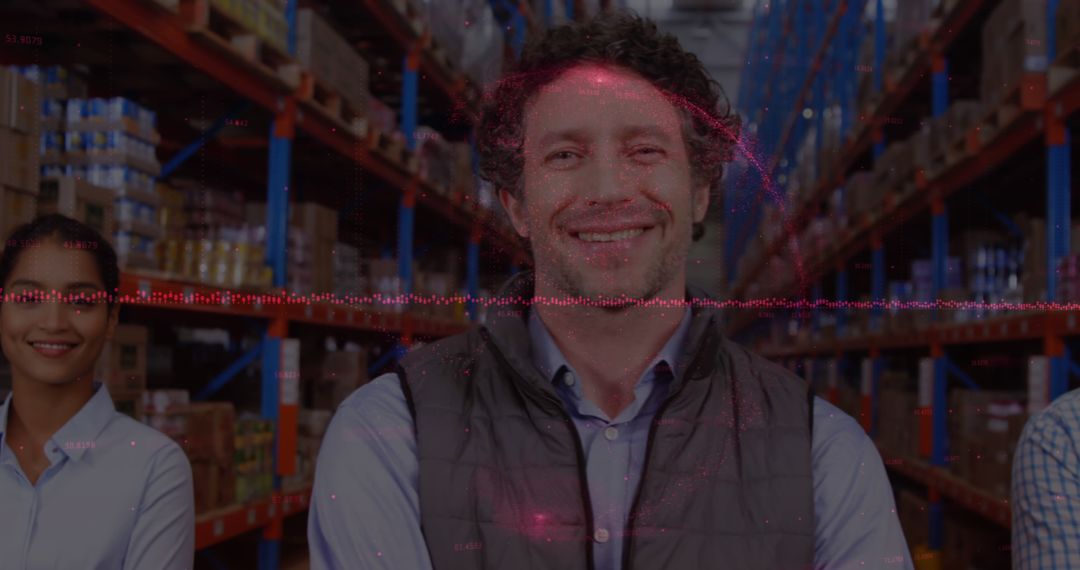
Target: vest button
pixel 568 378
pixel 611 433
pixel 602 535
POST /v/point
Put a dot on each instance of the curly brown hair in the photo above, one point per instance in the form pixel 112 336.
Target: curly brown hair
pixel 624 40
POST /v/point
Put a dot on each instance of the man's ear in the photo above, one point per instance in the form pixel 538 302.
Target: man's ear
pixel 516 209
pixel 700 199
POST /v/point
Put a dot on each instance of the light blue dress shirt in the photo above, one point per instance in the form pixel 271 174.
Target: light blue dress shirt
pixel 365 508
pixel 117 495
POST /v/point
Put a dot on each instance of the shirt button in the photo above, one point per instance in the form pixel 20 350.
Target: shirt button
pixel 602 535
pixel 611 433
pixel 568 378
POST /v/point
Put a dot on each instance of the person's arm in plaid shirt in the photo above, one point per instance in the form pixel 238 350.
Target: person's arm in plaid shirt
pixel 1046 489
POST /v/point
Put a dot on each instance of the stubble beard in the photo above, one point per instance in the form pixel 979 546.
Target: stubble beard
pixel 569 279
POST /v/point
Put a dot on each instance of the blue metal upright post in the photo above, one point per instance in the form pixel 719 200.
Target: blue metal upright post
pixel 407 209
pixel 879 63
pixel 940 85
pixel 877 286
pixel 841 297
pixel 1058 211
pixel 939 250
pixel 472 273
pixel 277 223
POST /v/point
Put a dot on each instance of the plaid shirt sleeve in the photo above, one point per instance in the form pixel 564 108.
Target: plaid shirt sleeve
pixel 1046 489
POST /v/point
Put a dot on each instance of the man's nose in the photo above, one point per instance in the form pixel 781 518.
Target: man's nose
pixel 608 181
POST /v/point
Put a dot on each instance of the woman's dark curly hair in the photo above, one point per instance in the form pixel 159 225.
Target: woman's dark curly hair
pixel 621 39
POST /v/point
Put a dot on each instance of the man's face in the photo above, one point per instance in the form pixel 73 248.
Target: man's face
pixel 608 195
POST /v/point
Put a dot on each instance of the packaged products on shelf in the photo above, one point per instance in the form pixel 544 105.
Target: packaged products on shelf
pixel 1013 44
pixel 253 462
pixel 122 366
pixel 332 61
pixel 89 204
pixel 57 83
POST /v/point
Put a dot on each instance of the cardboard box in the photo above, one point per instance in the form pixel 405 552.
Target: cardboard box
pixel 211 431
pixel 331 59
pixel 129 403
pixel 122 366
pixel 1013 44
pixel 341 374
pixel 16 208
pixel 913 511
pixel 1067 24
pixel 20 164
pixel 89 204
pixel 20 102
pixel 215 485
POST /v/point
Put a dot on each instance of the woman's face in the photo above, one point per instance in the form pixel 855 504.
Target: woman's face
pixel 55 339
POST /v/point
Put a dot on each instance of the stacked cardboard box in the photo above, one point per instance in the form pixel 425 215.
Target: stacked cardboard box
pixel 436 159
pixel 380 116
pixel 913 510
pixel 912 17
pixel 211 444
pixel 348 281
pixel 434 291
pixel 312 425
pixel 973 543
pixel 340 374
pixel 312 237
pixel 253 463
pixel 1067 24
pixel 1034 278
pixel 899 431
pixel 893 169
pixel 320 224
pixel 1013 44
pixel 20 99
pixel 122 368
pixel 72 197
pixel 970 441
pixel 265 19
pixel 482 53
pixel 206 432
pixel 935 138
pixel 331 59
pixel 997 439
pixel 862 196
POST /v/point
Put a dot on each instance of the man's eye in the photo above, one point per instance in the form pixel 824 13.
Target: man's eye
pixel 648 151
pixel 81 301
pixel 26 298
pixel 562 155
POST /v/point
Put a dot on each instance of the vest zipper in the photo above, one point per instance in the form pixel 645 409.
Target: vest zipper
pixel 583 476
pixel 629 543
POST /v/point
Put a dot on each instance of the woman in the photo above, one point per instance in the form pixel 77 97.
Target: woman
pixel 82 485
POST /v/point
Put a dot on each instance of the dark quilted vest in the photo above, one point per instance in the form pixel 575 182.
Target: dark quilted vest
pixel 727 481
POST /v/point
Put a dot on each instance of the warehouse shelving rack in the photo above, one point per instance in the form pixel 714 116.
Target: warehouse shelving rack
pixel 171 29
pixel 1044 115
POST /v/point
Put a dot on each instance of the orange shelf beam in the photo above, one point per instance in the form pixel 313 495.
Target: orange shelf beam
pixel 223 524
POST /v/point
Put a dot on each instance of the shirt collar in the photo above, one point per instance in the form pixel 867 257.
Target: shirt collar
pixel 81 431
pixel 549 359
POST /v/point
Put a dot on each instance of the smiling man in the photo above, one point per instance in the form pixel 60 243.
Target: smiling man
pixel 599 419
